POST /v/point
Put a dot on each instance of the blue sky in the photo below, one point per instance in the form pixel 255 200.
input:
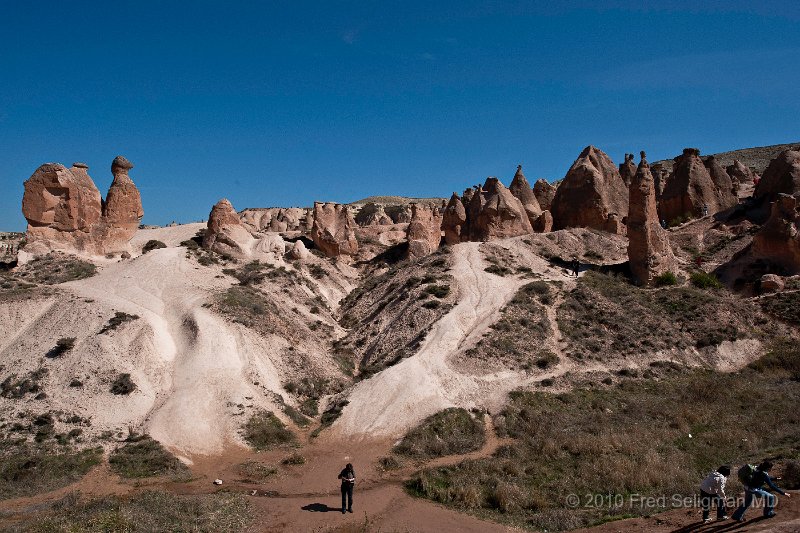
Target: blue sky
pixel 284 103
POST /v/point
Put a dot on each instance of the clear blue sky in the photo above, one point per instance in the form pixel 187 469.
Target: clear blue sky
pixel 284 103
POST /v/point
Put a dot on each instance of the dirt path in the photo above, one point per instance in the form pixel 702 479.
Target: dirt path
pixel 397 398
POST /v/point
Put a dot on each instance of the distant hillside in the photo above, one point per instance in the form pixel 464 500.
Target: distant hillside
pixel 756 158
pixel 394 200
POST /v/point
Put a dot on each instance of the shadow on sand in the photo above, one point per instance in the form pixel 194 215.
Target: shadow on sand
pixel 320 508
pixel 716 527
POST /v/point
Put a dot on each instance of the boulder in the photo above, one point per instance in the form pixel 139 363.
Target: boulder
pixel 501 213
pixel 298 251
pixel 726 193
pixel 453 219
pixel 771 283
pixel 649 251
pixel 778 240
pixel 225 233
pixel 61 199
pixel 592 195
pixel 690 190
pixel 544 192
pixel 522 190
pixel 782 176
pixel 543 223
pixel 333 230
pixel 424 230
pixel 741 173
pixel 627 169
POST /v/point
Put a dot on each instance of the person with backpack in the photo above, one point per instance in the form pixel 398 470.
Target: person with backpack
pixel 348 477
pixel 754 478
pixel 712 490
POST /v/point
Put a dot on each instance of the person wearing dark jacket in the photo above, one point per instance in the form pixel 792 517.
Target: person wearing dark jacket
pixel 754 488
pixel 348 477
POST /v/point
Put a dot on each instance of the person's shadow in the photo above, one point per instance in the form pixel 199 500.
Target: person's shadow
pixel 320 508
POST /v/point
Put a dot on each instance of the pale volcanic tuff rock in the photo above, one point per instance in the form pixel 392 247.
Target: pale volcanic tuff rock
pixel 781 176
pixel 726 194
pixel 741 173
pixel 522 190
pixel 544 223
pixel 453 219
pixel 660 176
pixel 592 195
pixel 424 230
pixel 649 251
pixel 778 240
pixel 688 189
pixel 501 213
pixel 544 192
pixel 298 251
pixel 373 214
pixel 65 211
pixel 627 169
pixel 333 230
pixel 225 233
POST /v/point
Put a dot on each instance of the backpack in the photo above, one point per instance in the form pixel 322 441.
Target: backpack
pixel 746 474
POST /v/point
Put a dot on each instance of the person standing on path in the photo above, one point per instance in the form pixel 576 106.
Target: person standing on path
pixel 576 267
pixel 348 477
pixel 712 490
pixel 753 479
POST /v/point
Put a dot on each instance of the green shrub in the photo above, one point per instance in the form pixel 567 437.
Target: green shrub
pixel 152 245
pixel 144 457
pixel 294 459
pixel 255 472
pixel 265 431
pixel 123 385
pixel 116 321
pixel 27 470
pixel 448 432
pixel 498 270
pixel 665 279
pixel 440 291
pixel 704 280
pixel 296 416
pixel 62 346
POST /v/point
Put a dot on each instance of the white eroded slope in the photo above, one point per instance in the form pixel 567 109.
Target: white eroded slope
pixel 400 396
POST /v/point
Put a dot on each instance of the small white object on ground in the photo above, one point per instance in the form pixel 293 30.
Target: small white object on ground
pixel 217 482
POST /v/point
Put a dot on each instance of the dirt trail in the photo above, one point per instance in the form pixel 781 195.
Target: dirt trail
pixel 394 400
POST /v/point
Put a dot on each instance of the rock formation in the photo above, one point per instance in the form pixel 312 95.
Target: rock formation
pixel 772 283
pixel 627 169
pixel 592 195
pixel 298 251
pixel 225 233
pixel 649 252
pixel 543 223
pixel 65 211
pixel 660 176
pixel 741 173
pixel 373 215
pixel 453 219
pixel 424 230
pixel 781 176
pixel 501 213
pixel 544 192
pixel 522 190
pixel 726 195
pixel 778 240
pixel 333 230
pixel 689 188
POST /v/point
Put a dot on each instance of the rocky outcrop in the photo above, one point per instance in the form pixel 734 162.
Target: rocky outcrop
pixel 453 220
pixel 771 283
pixel 778 240
pixel 65 211
pixel 649 252
pixel 522 190
pixel 627 170
pixel 543 223
pixel 782 176
pixel 277 219
pixel 373 215
pixel 225 233
pixel 298 251
pixel 592 195
pixel 500 214
pixel 725 191
pixel 333 230
pixel 424 230
pixel 660 176
pixel 741 173
pixel 690 191
pixel 544 192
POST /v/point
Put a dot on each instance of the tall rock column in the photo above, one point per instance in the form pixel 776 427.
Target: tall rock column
pixel 648 243
pixel 424 231
pixel 627 170
pixel 522 190
pixel 122 210
pixel 453 219
pixel 333 230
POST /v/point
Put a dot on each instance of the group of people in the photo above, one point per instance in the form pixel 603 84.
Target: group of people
pixel 754 478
